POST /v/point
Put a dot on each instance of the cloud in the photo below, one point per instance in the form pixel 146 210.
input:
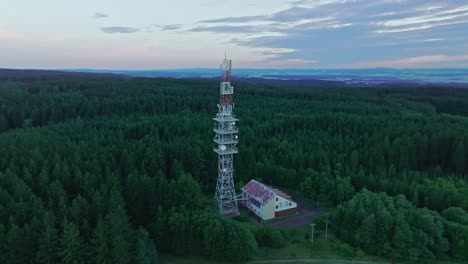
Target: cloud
pixel 319 3
pixel 100 15
pixel 274 27
pixel 167 27
pixel 396 30
pixel 332 32
pixel 419 61
pixel 273 52
pixel 171 27
pixel 225 29
pixel 291 62
pixel 235 19
pixel 340 25
pixel 267 33
pixel 433 40
pixel 122 30
pixel 441 17
pixel 9 35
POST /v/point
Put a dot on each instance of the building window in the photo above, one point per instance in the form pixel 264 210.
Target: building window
pixel 276 207
pixel 289 204
pixel 276 198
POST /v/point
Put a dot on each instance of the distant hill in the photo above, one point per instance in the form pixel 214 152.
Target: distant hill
pixel 318 78
pixel 348 76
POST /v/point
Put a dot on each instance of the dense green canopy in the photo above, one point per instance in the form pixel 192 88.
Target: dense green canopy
pixel 86 161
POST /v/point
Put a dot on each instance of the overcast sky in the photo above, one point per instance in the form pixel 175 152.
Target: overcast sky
pixel 156 34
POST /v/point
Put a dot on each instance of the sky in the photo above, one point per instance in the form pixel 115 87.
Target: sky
pixel 156 34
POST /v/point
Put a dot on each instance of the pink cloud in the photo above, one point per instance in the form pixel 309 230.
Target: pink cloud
pixel 419 61
pixel 9 35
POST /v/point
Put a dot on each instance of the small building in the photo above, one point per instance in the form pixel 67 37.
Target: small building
pixel 266 202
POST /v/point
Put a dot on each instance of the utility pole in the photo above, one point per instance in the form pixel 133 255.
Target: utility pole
pixel 326 229
pixel 312 233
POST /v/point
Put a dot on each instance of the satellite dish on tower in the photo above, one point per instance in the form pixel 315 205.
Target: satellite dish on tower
pixel 222 147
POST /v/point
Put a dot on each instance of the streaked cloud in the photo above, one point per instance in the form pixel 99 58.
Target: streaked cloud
pixel 273 52
pixel 100 15
pixel 167 27
pixel 121 30
pixel 440 17
pixel 433 40
pixel 171 27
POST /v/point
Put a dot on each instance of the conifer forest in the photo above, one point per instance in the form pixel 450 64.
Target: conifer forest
pixel 99 168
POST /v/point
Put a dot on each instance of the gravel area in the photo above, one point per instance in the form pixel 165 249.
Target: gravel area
pixel 306 212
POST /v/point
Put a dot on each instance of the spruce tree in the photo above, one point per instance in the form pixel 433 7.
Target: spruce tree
pixel 71 250
pixel 48 240
pixel 146 250
pixel 100 243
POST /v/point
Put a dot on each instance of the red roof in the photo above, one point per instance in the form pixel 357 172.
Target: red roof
pixel 261 192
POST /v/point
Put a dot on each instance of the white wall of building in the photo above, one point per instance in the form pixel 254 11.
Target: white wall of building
pixel 251 206
pixel 267 211
pixel 282 203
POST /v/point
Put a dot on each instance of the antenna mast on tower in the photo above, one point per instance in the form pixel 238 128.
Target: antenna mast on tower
pixel 226 138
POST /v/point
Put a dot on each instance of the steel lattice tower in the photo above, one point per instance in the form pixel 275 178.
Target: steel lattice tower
pixel 226 138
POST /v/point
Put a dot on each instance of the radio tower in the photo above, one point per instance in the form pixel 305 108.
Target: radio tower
pixel 226 138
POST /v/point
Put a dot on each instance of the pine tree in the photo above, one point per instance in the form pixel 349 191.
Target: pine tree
pixel 15 244
pixel 121 233
pixel 354 159
pixel 3 255
pixel 36 116
pixel 459 157
pixel 158 229
pixel 146 251
pixel 43 181
pixel 188 192
pixel 48 240
pixel 120 249
pixel 415 198
pixel 3 122
pixel 368 234
pixel 57 198
pixel 100 243
pixel 71 250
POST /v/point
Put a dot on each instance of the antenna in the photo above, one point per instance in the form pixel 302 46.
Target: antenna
pixel 226 138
